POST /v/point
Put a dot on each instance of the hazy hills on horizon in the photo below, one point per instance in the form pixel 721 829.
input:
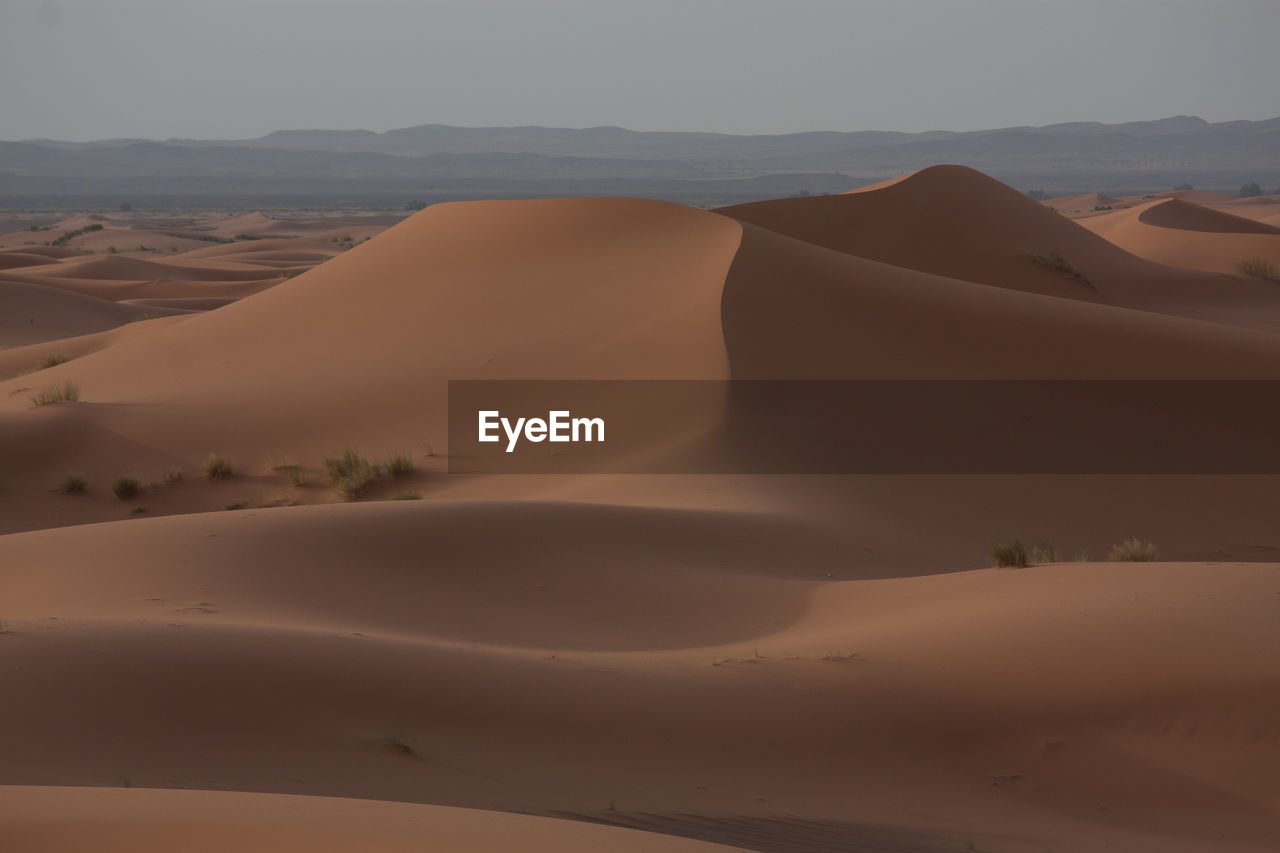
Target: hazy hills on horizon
pixel 440 161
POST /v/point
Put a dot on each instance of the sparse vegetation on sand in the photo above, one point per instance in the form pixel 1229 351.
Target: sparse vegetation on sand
pixel 173 475
pixel 143 315
pixel 1044 552
pixel 398 464
pixel 71 235
pixel 218 467
pixel 1260 269
pixel 1056 261
pixel 65 392
pixel 1009 553
pixel 405 496
pixel 54 360
pixel 350 473
pixel 126 488
pixel 73 484
pixel 1132 550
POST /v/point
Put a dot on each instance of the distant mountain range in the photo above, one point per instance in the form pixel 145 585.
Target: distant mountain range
pixel 432 162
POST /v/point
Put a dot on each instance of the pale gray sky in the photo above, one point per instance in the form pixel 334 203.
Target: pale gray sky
pixel 79 69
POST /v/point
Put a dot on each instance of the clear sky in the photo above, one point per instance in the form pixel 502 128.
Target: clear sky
pixel 80 69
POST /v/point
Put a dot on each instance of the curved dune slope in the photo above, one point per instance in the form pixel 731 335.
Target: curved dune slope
pixel 951 221
pixel 362 651
pixel 364 344
pixel 1182 234
pixel 14 260
pixel 34 313
pixel 70 820
pixel 1186 216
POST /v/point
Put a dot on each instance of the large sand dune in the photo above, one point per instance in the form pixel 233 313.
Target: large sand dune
pixel 779 663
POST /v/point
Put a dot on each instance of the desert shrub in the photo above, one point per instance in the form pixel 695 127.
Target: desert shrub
pixel 126 488
pixel 1056 261
pixel 1102 207
pixel 67 392
pixel 54 360
pixel 173 475
pixel 1009 554
pixel 143 315
pixel 1132 550
pixel 218 467
pixel 398 464
pixel 350 473
pixel 73 484
pixel 1044 552
pixel 1260 269
pixel 1250 189
pixel 405 496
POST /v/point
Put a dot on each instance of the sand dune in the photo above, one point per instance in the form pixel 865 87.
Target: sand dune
pixel 1185 216
pixel 954 222
pixel 33 313
pixel 780 663
pixel 319 656
pixel 1182 234
pixel 13 260
pixel 63 820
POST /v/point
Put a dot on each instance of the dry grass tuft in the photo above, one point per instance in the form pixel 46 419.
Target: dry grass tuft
pixel 73 484
pixel 1132 550
pixel 218 467
pixel 67 392
pixel 1055 261
pixel 1008 554
pixel 350 473
pixel 126 488
pixel 1260 269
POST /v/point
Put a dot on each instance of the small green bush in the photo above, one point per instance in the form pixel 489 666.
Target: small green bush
pixel 218 467
pixel 126 488
pixel 405 496
pixel 1132 550
pixel 1009 554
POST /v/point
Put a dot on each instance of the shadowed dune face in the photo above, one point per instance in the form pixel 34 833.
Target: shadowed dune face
pixel 783 663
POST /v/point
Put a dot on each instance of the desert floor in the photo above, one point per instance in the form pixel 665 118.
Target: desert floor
pixel 610 662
